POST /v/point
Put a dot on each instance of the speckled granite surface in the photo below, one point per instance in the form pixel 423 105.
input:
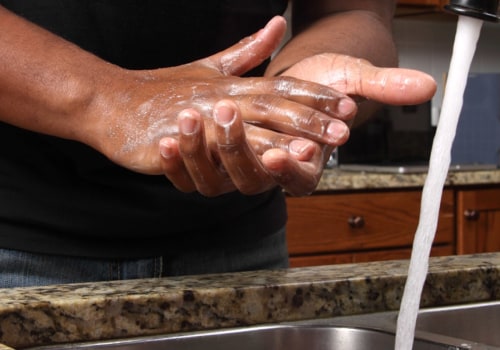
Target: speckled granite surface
pixel 86 312
pixel 82 312
pixel 334 179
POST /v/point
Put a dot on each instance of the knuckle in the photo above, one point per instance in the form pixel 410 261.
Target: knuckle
pixel 284 85
pixel 252 188
pixel 312 122
pixel 264 103
pixel 208 191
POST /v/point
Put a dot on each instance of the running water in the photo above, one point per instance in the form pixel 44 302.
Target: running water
pixel 466 37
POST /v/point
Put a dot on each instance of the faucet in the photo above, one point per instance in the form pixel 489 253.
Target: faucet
pixel 482 9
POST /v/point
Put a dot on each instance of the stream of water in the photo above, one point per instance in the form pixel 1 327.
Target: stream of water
pixel 467 34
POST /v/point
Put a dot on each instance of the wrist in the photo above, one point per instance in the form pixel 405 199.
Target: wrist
pixel 88 108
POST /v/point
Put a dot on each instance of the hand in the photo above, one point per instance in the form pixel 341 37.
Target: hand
pixel 358 77
pixel 361 80
pixel 140 108
pixel 249 159
pixel 297 175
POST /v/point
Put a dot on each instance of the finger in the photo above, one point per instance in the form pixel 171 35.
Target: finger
pixel 251 51
pixel 317 96
pixel 295 164
pixel 354 76
pixel 173 166
pixel 261 140
pixel 209 178
pixel 296 177
pixel 240 161
pixel 291 118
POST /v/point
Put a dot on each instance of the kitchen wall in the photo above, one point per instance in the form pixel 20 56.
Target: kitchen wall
pixel 427 45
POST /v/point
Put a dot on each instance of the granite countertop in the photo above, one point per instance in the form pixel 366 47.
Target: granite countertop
pixel 335 179
pixel 118 309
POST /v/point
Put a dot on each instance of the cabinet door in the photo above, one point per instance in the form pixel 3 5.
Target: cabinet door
pixel 478 221
pixel 326 223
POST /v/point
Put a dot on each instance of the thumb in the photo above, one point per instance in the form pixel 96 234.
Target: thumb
pixel 354 76
pixel 251 51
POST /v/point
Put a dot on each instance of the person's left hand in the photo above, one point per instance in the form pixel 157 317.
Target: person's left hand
pixel 359 78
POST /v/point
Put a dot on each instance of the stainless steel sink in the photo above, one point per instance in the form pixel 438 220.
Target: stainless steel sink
pixel 474 326
pixel 478 322
pixel 269 338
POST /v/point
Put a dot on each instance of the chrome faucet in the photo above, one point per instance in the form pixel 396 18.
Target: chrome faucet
pixel 482 9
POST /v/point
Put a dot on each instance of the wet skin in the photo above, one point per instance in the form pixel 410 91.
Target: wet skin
pixel 195 104
pixel 200 124
pixel 269 141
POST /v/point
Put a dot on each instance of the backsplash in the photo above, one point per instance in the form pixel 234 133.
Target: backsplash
pixel 427 45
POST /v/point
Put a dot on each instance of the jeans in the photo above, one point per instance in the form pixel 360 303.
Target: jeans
pixel 23 269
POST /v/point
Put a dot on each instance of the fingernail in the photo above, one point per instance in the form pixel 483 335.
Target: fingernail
pixel 346 106
pixel 298 147
pixel 337 131
pixel 224 115
pixel 166 151
pixel 188 124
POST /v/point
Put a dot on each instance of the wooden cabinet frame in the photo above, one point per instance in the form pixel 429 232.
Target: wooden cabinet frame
pixel 478 220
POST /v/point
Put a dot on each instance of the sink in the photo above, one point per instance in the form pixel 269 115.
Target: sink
pixel 474 326
pixel 466 326
pixel 257 338
pixel 477 322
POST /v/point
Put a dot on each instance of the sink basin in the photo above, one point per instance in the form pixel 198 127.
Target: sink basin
pixel 467 326
pixel 475 326
pixel 478 322
pixel 257 338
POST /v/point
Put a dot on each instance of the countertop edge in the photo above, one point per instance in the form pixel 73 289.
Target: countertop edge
pixel 119 309
pixel 336 179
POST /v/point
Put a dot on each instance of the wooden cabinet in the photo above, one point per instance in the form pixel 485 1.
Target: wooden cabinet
pixel 422 2
pixel 478 220
pixel 360 256
pixel 333 228
pixel 354 227
pixel 430 8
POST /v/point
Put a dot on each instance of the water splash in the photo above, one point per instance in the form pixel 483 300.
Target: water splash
pixel 467 34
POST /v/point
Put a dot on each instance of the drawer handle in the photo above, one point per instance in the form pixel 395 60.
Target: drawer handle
pixel 471 214
pixel 356 221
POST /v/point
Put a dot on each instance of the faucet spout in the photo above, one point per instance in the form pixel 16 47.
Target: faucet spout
pixel 482 9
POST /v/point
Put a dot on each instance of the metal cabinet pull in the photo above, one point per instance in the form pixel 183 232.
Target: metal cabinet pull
pixel 356 221
pixel 471 214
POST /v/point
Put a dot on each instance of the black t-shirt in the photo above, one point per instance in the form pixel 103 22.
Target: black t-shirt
pixel 62 197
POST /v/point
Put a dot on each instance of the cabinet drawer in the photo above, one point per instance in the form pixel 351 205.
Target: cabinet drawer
pixel 358 257
pixel 324 223
pixel 420 2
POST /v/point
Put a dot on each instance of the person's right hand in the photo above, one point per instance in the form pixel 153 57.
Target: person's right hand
pixel 137 109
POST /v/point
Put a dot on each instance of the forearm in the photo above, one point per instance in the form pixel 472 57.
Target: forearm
pixel 357 33
pixel 46 83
